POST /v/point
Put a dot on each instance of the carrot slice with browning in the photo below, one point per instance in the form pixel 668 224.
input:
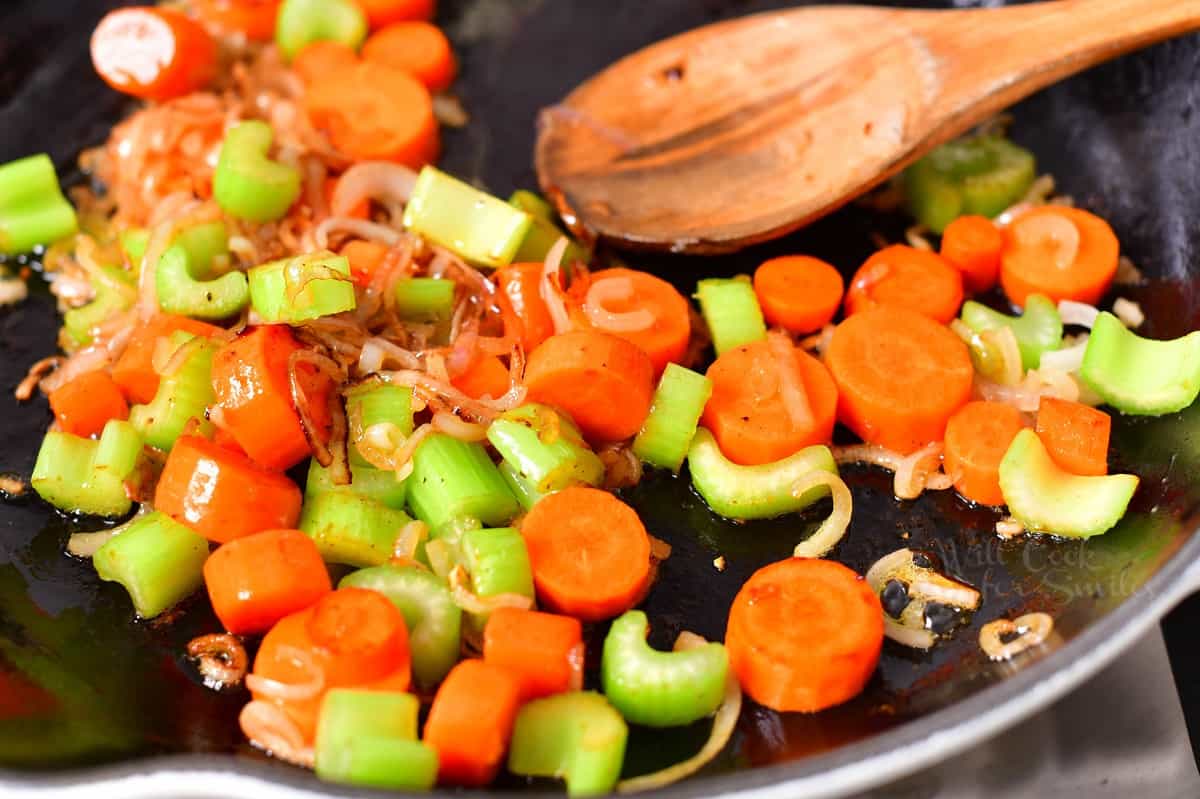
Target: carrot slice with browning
pixel 622 293
pixel 1075 435
pixel 977 436
pixel 1064 253
pixel 906 277
pixel 973 245
pixel 798 293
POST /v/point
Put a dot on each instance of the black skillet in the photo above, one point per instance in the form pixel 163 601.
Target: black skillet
pixel 89 697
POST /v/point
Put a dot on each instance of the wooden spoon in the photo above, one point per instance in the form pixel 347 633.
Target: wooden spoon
pixel 744 130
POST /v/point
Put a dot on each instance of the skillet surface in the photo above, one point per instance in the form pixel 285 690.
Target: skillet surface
pixel 82 685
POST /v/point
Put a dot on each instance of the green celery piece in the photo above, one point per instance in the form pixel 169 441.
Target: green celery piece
pixel 205 244
pixel 157 559
pixel 667 433
pixel 498 563
pixel 107 301
pixel 134 242
pixel 524 490
pixel 1141 376
pixel 544 233
pixel 425 299
pixel 576 736
pixel 302 22
pixel 1012 172
pixel 1046 499
pixel 182 396
pixel 754 492
pixel 248 184
pixel 974 175
pixel 453 479
pixel 33 211
pixel 533 204
pixel 660 689
pixel 434 622
pixel 549 466
pixel 295 290
pixel 376 402
pixel 1038 330
pixel 182 276
pixel 351 528
pixel 380 485
pixel 730 308
pixel 82 475
pixel 368 738
pixel 475 225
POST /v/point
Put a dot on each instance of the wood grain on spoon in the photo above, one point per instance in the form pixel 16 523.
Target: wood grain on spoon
pixel 745 130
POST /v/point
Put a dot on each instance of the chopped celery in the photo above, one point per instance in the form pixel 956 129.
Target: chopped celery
pixel 182 277
pixel 134 242
pixel 524 490
pixel 544 233
pixel 578 737
pixel 498 563
pixel 1046 499
pixel 351 528
pixel 475 225
pixel 380 485
pixel 1137 375
pixel 754 492
pixel 533 204
pixel 295 290
pixel 974 175
pixel 182 396
pixel 157 559
pixel 107 301
pixel 660 689
pixel 731 311
pixel 247 183
pixel 301 22
pixel 82 475
pixel 33 210
pixel 674 414
pixel 434 622
pixel 545 448
pixel 368 738
pixel 454 479
pixel 425 299
pixel 1038 330
pixel 376 402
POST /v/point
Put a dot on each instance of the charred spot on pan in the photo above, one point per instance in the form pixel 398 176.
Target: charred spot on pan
pixel 894 598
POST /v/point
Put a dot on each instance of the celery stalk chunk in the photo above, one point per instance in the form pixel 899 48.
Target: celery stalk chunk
pixel 295 290
pixel 301 22
pixel 434 622
pixel 425 299
pixel 544 233
pixel 578 737
pixel 351 528
pixel 660 689
pixel 454 479
pixel 33 210
pixel 380 485
pixel 78 323
pixel 972 175
pixel 182 396
pixel 533 204
pixel 158 560
pixel 368 738
pixel 730 309
pixel 522 487
pixel 1141 376
pixel 247 183
pixel 1038 330
pixel 675 411
pixel 475 225
pixel 498 563
pixel 1046 499
pixel 545 447
pixel 754 492
pixel 184 283
pixel 376 402
pixel 82 475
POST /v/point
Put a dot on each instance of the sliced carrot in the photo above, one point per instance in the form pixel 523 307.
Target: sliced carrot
pixel 900 376
pixel 134 370
pixel 544 650
pixel 486 375
pixel 1075 435
pixel 589 552
pixel 255 581
pixel 253 18
pixel 603 381
pixel 1062 252
pixel 153 52
pixel 973 245
pixel 252 386
pixel 84 405
pixel 471 722
pixel 322 57
pixel 419 48
pixel 526 317
pixel 365 258
pixel 904 276
pixel 360 210
pixel 624 295
pixel 385 12
pixel 374 112
pixel 977 436
pixel 748 412
pixel 798 293
pixel 804 635
pixel 223 495
pixel 351 638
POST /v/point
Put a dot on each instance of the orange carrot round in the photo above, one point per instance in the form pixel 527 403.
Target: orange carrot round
pixel 977 436
pixel 618 297
pixel 798 293
pixel 365 258
pixel 1075 435
pixel 602 381
pixel 419 48
pixel 973 245
pixel 84 405
pixel 153 52
pixel 1064 253
pixel 253 18
pixel 385 12
pixel 471 721
pixel 748 412
pixel 900 376
pixel 589 552
pixel 804 635
pixel 486 375
pixel 321 58
pixel 526 317
pixel 544 650
pixel 906 277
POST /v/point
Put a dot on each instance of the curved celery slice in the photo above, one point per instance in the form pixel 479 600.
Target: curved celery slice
pixel 248 184
pixel 578 737
pixel 973 175
pixel 82 475
pixel 477 226
pixel 33 210
pixel 1047 499
pixel 182 289
pixel 1137 375
pixel 350 528
pixel 754 492
pixel 157 559
pixel 79 322
pixel 730 308
pixel 1038 330
pixel 453 479
pixel 368 738
pixel 295 290
pixel 660 689
pixel 302 22
pixel 434 622
pixel 182 396
pixel 667 433
pixel 545 447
